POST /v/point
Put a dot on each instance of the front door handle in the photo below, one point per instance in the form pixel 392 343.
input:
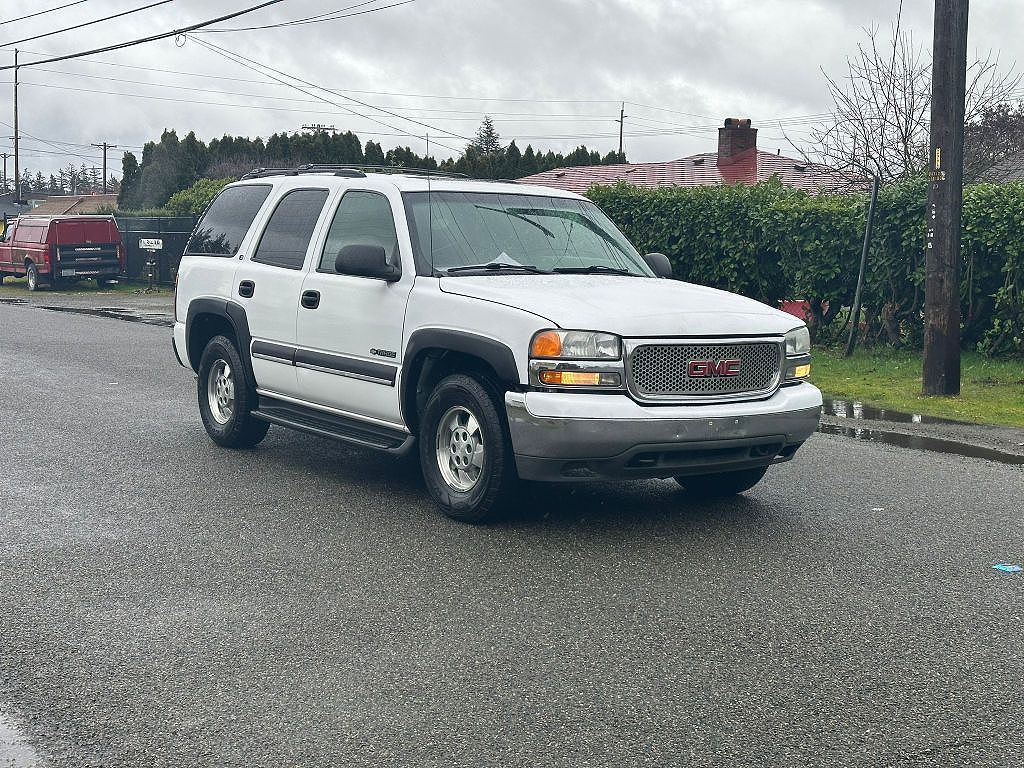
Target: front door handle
pixel 246 289
pixel 310 299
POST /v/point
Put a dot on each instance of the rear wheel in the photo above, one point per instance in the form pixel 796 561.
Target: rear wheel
pixel 32 276
pixel 722 484
pixel 465 451
pixel 104 282
pixel 226 398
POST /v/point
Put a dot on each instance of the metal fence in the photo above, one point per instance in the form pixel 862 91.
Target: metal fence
pixel 173 231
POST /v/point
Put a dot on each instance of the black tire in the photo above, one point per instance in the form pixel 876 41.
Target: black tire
pixel 104 282
pixel 494 478
pixel 722 484
pixel 32 277
pixel 234 426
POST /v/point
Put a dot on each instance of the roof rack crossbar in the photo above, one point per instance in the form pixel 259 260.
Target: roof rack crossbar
pixel 349 171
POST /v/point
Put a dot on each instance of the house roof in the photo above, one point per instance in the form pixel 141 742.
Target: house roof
pixel 1008 169
pixel 59 205
pixel 749 167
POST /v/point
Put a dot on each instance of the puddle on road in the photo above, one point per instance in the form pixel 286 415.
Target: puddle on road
pixel 118 313
pixel 854 409
pixel 922 443
pixel 15 751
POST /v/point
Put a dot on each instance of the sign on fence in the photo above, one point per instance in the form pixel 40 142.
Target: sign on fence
pixel 151 244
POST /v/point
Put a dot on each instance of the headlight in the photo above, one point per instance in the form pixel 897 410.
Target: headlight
pixel 798 342
pixel 575 345
pixel 798 354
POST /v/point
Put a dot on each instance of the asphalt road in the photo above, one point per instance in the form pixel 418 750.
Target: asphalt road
pixel 166 602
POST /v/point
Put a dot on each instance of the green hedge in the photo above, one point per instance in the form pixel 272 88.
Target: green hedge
pixel 771 243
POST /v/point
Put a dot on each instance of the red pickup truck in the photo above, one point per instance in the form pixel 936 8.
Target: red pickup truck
pixel 50 250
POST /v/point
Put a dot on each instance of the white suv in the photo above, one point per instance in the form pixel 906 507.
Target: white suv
pixel 503 331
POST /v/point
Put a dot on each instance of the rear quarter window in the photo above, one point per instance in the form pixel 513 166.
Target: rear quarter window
pixel 30 233
pixel 223 226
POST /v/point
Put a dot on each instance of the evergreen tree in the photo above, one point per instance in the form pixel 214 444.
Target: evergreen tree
pixel 373 154
pixel 127 196
pixel 513 161
pixel 487 141
pixel 529 165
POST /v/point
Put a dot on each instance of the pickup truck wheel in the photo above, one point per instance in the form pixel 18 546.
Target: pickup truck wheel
pixel 722 484
pixel 226 398
pixel 465 452
pixel 32 275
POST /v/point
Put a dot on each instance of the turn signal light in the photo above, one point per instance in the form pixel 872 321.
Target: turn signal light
pixel 579 379
pixel 801 371
pixel 546 344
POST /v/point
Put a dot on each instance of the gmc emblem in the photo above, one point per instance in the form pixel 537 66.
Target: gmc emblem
pixel 711 369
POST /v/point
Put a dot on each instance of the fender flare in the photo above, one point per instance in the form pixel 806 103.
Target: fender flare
pixel 493 352
pixel 235 315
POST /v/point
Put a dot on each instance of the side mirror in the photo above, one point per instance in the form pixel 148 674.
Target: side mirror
pixel 659 264
pixel 366 261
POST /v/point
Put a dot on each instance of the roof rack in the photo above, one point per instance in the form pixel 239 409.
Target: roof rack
pixel 354 171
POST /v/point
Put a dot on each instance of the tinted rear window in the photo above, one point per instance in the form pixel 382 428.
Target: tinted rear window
pixel 290 228
pixel 227 220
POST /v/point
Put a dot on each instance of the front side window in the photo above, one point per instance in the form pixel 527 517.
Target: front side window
pixel 363 218
pixel 286 238
pixel 454 230
pixel 226 221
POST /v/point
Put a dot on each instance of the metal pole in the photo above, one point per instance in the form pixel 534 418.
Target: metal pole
pixel 851 342
pixel 945 201
pixel 5 155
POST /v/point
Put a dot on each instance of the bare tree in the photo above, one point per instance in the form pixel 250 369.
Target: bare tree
pixel 879 125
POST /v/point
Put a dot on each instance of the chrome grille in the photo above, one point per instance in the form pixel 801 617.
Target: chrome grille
pixel 661 370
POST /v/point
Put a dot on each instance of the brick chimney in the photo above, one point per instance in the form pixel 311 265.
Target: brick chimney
pixel 735 139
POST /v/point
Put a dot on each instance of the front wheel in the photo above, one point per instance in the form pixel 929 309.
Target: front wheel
pixel 465 451
pixel 226 400
pixel 722 484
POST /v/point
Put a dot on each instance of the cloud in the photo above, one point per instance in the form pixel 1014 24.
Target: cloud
pixel 551 72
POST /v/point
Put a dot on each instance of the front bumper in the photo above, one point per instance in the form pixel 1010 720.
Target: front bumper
pixel 577 436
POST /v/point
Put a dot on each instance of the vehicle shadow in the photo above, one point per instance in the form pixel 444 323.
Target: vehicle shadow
pixel 532 506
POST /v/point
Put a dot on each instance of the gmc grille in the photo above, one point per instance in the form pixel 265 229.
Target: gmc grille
pixel 662 370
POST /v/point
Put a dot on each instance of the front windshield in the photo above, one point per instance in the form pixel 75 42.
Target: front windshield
pixel 462 229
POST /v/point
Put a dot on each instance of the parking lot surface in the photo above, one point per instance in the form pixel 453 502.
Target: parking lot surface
pixel 169 603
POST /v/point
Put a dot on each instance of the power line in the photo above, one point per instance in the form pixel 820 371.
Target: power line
pixel 329 16
pixel 151 38
pixel 252 65
pixel 89 23
pixel 40 13
pixel 475 115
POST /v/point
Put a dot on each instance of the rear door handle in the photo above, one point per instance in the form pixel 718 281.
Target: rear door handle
pixel 246 289
pixel 310 299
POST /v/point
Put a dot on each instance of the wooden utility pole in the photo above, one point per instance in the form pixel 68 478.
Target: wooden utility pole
pixel 622 126
pixel 104 146
pixel 945 200
pixel 5 155
pixel 17 173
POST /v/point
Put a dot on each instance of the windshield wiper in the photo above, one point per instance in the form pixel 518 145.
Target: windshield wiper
pixel 510 212
pixel 496 266
pixel 594 269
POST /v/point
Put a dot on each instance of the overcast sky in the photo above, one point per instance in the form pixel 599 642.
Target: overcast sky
pixel 550 72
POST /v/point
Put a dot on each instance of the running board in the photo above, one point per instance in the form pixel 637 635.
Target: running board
pixel 333 426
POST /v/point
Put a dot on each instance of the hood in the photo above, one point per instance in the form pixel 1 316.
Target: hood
pixel 628 306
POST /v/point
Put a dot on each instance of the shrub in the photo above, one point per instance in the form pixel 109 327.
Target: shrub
pixel 771 242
